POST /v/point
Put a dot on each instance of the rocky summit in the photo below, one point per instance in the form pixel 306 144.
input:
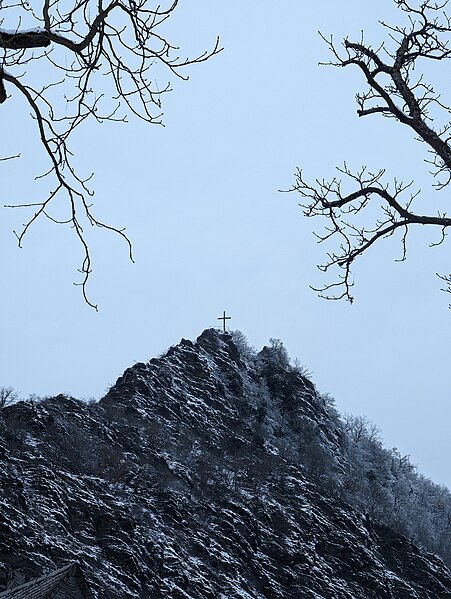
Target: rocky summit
pixel 215 472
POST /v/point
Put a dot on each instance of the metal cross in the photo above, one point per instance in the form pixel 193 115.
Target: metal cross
pixel 224 318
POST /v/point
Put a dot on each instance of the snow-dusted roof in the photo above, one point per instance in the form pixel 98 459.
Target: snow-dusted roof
pixel 65 583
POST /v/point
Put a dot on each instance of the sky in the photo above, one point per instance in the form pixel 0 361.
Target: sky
pixel 211 231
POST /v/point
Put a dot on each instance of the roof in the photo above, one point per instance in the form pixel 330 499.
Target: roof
pixel 66 583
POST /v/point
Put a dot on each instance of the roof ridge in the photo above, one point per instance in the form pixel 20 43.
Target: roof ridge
pixel 55 577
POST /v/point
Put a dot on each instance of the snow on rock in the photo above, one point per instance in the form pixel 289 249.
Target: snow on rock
pixel 210 472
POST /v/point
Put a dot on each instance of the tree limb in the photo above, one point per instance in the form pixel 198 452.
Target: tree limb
pixel 100 54
pixel 394 92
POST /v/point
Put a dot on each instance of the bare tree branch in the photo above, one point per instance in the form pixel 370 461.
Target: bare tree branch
pixel 393 90
pixel 8 396
pixel 100 55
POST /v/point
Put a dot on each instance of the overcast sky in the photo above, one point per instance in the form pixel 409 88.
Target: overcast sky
pixel 211 231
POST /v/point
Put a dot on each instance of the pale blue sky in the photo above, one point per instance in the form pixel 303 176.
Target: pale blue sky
pixel 211 232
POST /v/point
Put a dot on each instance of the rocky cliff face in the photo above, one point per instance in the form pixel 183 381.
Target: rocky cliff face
pixel 207 473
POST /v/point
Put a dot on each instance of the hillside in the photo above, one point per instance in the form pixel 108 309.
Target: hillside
pixel 216 472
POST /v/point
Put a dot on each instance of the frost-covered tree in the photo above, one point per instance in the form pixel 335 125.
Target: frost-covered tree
pixel 386 485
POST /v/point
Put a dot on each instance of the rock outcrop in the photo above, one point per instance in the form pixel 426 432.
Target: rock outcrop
pixel 206 473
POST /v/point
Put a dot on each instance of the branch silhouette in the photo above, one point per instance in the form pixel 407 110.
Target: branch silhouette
pixel 394 90
pixel 99 59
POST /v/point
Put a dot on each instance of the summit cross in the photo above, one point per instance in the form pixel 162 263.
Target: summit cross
pixel 224 318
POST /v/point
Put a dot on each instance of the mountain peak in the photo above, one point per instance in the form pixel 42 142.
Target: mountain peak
pixel 210 471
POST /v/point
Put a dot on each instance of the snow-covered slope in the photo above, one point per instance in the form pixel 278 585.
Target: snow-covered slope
pixel 207 473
